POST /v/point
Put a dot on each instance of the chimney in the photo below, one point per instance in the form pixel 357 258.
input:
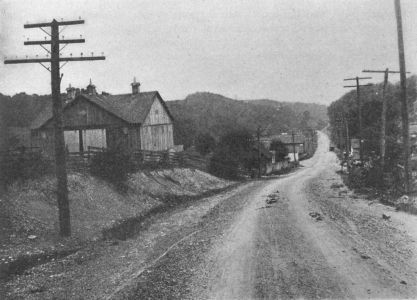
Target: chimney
pixel 71 92
pixel 135 87
pixel 91 89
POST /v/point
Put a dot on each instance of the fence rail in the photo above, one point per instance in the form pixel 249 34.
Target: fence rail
pixel 81 161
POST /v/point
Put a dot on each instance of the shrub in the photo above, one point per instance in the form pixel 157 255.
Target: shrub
pixel 205 143
pixel 113 167
pixel 233 154
pixel 223 165
pixel 24 165
pixel 281 151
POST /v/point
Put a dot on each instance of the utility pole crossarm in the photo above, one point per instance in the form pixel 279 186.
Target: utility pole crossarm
pixel 48 42
pixel 355 78
pixel 351 86
pixel 46 60
pixel 38 25
pixel 381 71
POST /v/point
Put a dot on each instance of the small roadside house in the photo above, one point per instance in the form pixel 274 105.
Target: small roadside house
pixel 126 122
pixel 294 143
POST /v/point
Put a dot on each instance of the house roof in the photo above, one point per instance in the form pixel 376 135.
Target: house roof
pixel 132 108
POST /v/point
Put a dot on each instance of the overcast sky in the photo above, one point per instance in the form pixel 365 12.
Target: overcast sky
pixel 287 50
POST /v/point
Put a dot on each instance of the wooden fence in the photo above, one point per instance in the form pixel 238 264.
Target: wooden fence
pixel 141 159
pixel 80 161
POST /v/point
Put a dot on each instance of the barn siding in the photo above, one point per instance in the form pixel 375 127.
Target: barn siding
pixel 156 134
pixel 157 114
pixel 134 138
pixel 83 114
pixel 45 140
pixel 157 137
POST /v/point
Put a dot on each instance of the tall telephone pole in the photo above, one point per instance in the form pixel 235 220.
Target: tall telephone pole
pixel 60 160
pixel 359 103
pixel 403 94
pixel 386 73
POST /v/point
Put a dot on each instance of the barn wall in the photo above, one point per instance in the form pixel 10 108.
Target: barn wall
pixel 134 138
pixel 83 114
pixel 116 139
pixel 157 114
pixel 45 140
pixel 157 137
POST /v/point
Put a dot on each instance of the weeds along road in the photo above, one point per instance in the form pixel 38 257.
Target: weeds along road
pixel 318 240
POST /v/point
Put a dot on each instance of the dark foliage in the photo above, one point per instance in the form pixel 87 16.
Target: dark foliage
pixel 205 143
pixel 281 151
pixel 371 173
pixel 24 165
pixel 112 166
pixel 217 115
pixel 233 155
pixel 371 116
pixel 21 109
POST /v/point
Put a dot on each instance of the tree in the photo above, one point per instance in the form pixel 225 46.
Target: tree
pixel 305 120
pixel 234 152
pixel 281 151
pixel 205 143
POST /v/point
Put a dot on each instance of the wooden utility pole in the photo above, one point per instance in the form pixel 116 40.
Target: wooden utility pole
pixel 347 147
pixel 403 93
pixel 60 160
pixel 359 103
pixel 293 147
pixel 342 126
pixel 258 135
pixel 384 111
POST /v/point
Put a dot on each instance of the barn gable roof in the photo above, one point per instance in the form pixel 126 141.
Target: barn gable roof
pixel 287 138
pixel 131 108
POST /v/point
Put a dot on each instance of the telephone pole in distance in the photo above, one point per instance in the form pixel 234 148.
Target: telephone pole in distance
pixel 359 103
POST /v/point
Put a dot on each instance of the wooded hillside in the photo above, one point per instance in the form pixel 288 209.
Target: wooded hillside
pixel 217 115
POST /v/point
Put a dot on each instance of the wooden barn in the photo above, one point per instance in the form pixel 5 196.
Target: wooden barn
pixel 127 122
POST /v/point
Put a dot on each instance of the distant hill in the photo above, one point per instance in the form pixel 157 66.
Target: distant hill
pixel 215 114
pixel 21 109
pixel 197 113
pixel 317 111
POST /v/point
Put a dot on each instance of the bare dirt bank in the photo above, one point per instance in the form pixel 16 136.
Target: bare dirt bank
pixel 29 213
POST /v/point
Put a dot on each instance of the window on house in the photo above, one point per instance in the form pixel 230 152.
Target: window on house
pixel 156 111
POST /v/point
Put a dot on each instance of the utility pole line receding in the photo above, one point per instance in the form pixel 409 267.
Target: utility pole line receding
pixel 359 103
pixel 60 159
pixel 403 93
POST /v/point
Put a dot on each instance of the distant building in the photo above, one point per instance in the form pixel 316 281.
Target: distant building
pixel 126 122
pixel 297 145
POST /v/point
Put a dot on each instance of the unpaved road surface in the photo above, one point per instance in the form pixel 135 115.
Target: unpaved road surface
pixel 312 239
pixel 316 240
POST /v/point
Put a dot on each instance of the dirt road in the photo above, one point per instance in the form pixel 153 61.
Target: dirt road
pixel 312 243
pixel 318 240
pixel 314 239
